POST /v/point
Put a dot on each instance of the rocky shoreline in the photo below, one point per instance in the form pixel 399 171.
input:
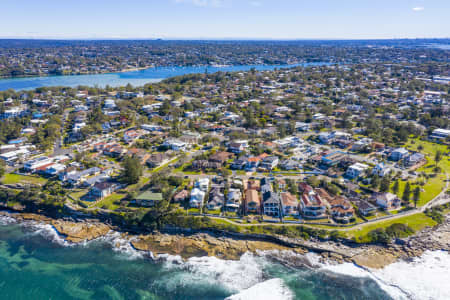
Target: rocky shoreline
pixel 232 247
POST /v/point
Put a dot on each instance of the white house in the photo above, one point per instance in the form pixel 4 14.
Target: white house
pixel 387 201
pixel 175 144
pixel 381 170
pixel 356 170
pixel 197 197
pixel 202 184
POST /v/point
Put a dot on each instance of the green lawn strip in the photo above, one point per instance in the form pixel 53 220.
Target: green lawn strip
pixel 16 178
pixel 111 202
pixel 416 221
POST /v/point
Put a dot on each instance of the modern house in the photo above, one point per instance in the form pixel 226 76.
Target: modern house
pixel 387 201
pixel 269 162
pixel 312 206
pixel 356 170
pixel 398 154
pixel 197 197
pixel 289 204
pixel 252 202
pixel 102 189
pixel 271 204
pixel 381 170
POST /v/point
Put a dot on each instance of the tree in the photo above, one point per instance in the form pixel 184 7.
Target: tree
pixel 438 157
pixel 406 193
pixel 384 184
pixel 395 187
pixel 416 196
pixel 132 170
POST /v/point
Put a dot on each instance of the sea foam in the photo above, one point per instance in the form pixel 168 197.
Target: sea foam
pixel 272 289
pixel 425 277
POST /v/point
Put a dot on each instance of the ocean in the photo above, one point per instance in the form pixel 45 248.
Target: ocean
pixel 35 263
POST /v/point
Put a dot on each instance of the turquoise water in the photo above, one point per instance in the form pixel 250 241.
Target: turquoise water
pixel 136 78
pixel 35 264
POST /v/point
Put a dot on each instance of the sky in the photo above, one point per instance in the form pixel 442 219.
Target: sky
pixel 225 19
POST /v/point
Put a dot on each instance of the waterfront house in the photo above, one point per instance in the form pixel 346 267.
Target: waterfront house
pixel 289 204
pixel 197 197
pixel 102 189
pixel 271 204
pixel 148 199
pixel 252 202
pixel 387 201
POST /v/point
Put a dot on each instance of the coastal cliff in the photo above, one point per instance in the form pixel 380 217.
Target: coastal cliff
pixel 232 247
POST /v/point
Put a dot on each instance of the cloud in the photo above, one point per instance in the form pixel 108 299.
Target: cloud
pixel 255 3
pixel 203 3
pixel 418 8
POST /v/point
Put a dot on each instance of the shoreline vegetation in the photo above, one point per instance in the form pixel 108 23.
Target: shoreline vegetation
pixel 78 74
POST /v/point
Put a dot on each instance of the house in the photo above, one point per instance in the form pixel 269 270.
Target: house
pixel 290 164
pixel 76 178
pixel 440 135
pixel 340 208
pixel 301 126
pixel 102 189
pixel 289 204
pixel 175 144
pixel 233 200
pixel 356 170
pixel 148 198
pixel 269 162
pixel 55 169
pixel 414 159
pixel 364 207
pixel 220 157
pixel 34 164
pixel 197 197
pixel 130 136
pixel 333 158
pixel 239 163
pixel 398 154
pixel 238 146
pixel 202 184
pixel 312 206
pixel 204 164
pixel 254 185
pixel 387 201
pixel 381 170
pixel 156 159
pixel 181 196
pixel 216 198
pixel 252 203
pixel 271 204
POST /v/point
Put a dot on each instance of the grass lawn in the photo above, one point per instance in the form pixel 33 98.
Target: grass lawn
pixel 111 202
pixel 431 189
pixel 417 222
pixel 78 195
pixel 15 178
